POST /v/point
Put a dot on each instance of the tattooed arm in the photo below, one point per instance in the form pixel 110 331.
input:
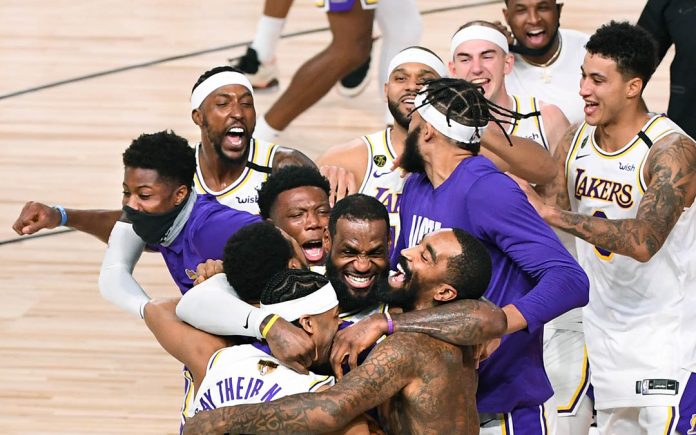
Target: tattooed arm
pixel 670 173
pixel 463 322
pixel 388 369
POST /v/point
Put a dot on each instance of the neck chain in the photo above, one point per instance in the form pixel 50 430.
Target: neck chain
pixel 552 59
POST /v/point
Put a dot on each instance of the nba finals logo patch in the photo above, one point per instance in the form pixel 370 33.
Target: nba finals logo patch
pixel 265 367
pixel 584 142
pixel 380 160
pixel 191 274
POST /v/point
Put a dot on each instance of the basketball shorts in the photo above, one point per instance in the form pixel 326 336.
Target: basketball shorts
pixel 345 5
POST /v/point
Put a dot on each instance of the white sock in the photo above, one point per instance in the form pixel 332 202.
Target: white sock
pixel 265 41
pixel 265 131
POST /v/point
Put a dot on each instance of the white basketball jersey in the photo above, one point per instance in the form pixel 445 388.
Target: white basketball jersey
pixel 634 320
pixel 379 180
pixel 531 128
pixel 242 194
pixel 243 374
pixel 558 83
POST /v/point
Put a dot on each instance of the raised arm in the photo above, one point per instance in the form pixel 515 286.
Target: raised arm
pixel 526 158
pixel 36 216
pixel 389 368
pixel 187 344
pixel 669 171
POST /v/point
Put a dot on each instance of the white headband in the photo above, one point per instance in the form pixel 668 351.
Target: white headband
pixel 215 81
pixel 459 132
pixel 478 32
pixel 417 55
pixel 317 302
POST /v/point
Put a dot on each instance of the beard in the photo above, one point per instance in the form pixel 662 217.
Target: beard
pixel 399 118
pixel 412 159
pixel 347 300
pixel 405 296
pixel 216 140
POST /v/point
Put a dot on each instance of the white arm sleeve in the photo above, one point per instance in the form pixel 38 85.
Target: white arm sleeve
pixel 214 306
pixel 116 282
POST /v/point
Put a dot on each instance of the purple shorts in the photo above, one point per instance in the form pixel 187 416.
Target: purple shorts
pixel 345 5
pixel 687 408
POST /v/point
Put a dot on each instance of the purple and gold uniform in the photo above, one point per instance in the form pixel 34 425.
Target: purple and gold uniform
pixel 203 237
pixel 345 5
pixel 531 270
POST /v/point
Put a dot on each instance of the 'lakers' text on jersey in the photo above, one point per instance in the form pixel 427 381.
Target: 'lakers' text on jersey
pixel 379 180
pixel 635 323
pixel 242 194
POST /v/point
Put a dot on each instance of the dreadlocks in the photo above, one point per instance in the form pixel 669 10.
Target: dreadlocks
pixel 463 102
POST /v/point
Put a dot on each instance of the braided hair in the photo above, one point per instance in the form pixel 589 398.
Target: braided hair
pixel 291 284
pixel 464 102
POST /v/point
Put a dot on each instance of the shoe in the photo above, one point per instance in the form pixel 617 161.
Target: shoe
pixel 263 76
pixel 355 82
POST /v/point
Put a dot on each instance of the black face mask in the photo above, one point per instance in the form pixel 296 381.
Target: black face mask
pixel 152 227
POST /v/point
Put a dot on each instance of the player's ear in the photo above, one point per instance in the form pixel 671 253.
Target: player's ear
pixel 509 63
pixel 196 116
pixel 307 323
pixel 326 239
pixel 445 293
pixel 294 263
pixel 386 85
pixel 634 87
pixel 180 193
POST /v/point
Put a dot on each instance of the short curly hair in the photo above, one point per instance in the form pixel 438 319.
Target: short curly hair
pixel 287 178
pixel 357 207
pixel 632 48
pixel 254 254
pixel 165 152
pixel 469 272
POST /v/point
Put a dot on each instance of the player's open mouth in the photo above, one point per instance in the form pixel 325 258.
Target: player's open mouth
pixel 313 251
pixel 590 107
pixel 480 81
pixel 536 36
pixel 236 135
pixel 359 281
pixel 398 277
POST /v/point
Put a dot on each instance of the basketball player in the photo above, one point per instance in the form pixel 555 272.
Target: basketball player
pixel 230 163
pixel 296 198
pixel 423 383
pixel 166 215
pixel 225 375
pixel 631 182
pixel 534 277
pixel 547 58
pixel 480 56
pixel 367 164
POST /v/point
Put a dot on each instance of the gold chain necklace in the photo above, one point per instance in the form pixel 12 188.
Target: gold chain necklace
pixel 552 59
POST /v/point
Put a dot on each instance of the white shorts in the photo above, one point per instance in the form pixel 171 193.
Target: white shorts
pixel 648 420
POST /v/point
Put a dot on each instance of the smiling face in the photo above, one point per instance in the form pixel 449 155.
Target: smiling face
pixel 358 263
pixel 227 119
pixel 484 64
pixel 532 22
pixel 401 88
pixel 303 212
pixel 604 90
pixel 422 271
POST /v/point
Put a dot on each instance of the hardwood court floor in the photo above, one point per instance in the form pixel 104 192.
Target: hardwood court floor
pixel 69 361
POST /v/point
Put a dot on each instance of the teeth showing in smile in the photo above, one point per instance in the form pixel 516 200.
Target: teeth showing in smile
pixel 358 281
pixel 236 130
pixel 479 81
pixel 400 268
pixel 535 32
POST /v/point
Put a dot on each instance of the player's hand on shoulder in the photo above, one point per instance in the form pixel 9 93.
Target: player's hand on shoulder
pixel 291 345
pixel 342 181
pixel 349 342
pixel 485 350
pixel 207 269
pixel 36 216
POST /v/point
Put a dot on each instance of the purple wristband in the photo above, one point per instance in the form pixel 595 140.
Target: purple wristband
pixel 390 323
